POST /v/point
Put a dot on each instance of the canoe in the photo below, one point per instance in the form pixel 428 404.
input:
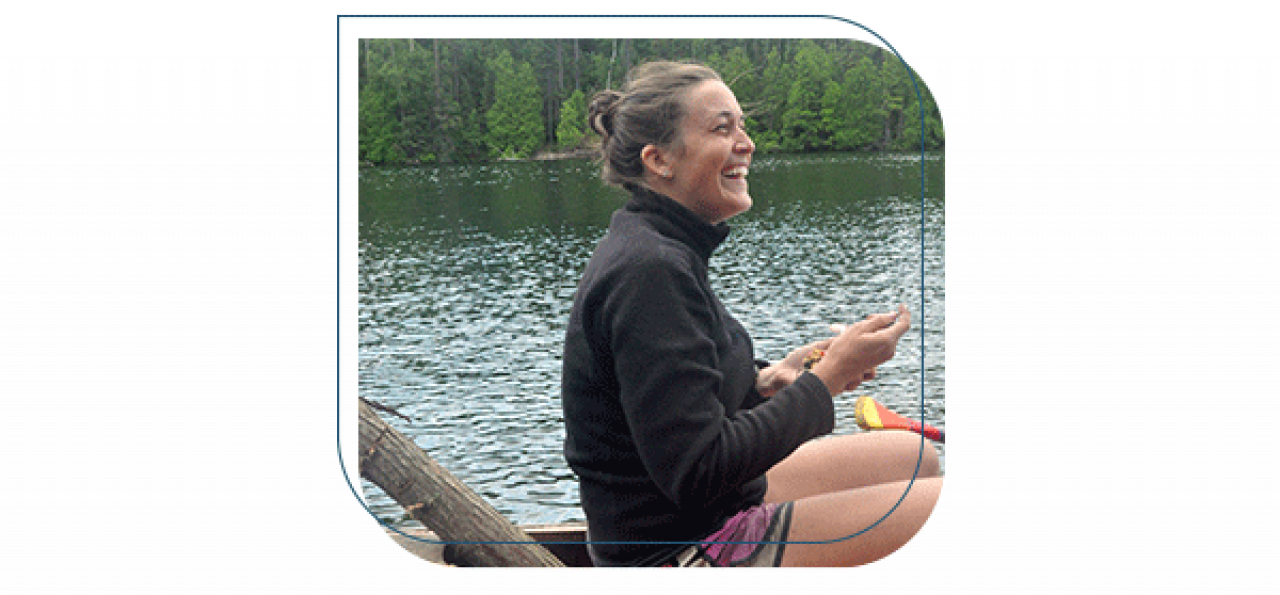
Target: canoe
pixel 565 541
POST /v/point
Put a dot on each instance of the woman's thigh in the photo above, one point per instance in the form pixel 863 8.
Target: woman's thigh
pixel 849 462
pixel 837 515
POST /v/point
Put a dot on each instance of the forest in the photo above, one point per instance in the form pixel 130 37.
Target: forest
pixel 467 100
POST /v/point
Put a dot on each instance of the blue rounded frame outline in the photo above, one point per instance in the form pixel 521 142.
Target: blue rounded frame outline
pixel 919 453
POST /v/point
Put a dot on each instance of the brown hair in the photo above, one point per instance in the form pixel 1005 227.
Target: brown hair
pixel 647 111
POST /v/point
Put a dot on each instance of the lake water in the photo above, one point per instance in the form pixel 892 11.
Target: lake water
pixel 467 274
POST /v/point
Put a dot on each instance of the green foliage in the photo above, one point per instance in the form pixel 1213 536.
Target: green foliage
pixel 449 100
pixel 738 72
pixel 515 119
pixel 803 125
pixel 866 102
pixel 572 130
pixel 379 129
pixel 917 116
pixel 838 117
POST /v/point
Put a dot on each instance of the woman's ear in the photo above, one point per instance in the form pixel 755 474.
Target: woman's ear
pixel 655 161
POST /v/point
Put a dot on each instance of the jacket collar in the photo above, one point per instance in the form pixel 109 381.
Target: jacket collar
pixel 675 220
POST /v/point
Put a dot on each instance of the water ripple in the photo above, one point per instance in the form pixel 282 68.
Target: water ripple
pixel 461 325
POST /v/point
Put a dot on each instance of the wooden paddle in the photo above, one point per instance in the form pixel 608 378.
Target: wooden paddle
pixel 871 415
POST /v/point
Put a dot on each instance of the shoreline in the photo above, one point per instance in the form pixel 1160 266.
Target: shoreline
pixel 581 153
pixel 592 152
pixel 578 153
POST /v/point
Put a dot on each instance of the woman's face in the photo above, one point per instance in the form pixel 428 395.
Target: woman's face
pixel 708 164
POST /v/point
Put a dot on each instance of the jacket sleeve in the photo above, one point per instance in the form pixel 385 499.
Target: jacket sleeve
pixel 662 335
pixel 753 396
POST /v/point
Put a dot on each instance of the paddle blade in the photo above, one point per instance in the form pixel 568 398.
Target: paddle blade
pixel 871 415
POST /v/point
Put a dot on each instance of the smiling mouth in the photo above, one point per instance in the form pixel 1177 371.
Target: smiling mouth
pixel 736 172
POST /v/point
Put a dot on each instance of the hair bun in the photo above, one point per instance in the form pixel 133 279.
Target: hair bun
pixel 600 113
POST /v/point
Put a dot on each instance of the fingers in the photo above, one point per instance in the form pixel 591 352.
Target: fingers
pixel 884 320
pixel 902 322
pixel 856 350
pixel 881 333
pixel 899 320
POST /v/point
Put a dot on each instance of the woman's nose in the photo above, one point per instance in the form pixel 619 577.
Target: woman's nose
pixel 744 144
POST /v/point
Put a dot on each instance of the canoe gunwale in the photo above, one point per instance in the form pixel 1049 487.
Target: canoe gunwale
pixel 566 541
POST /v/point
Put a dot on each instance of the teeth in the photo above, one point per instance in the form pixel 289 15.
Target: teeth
pixel 735 171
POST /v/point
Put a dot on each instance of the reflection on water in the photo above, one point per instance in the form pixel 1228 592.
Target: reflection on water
pixel 467 274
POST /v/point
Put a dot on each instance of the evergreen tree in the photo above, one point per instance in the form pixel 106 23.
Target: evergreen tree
pixel 572 129
pixel 378 128
pixel 802 122
pixel 448 100
pixel 866 103
pixel 911 137
pixel 836 117
pixel 897 91
pixel 738 71
pixel 397 122
pixel 770 101
pixel 411 68
pixel 514 120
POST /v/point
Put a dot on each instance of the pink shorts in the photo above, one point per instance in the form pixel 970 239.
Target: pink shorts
pixel 754 537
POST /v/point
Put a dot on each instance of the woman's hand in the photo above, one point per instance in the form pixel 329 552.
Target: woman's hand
pixel 780 375
pixel 860 347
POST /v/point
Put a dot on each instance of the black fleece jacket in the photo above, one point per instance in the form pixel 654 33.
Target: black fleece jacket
pixel 664 426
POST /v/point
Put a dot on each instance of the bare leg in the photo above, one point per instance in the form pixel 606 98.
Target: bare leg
pixel 840 514
pixel 844 484
pixel 850 462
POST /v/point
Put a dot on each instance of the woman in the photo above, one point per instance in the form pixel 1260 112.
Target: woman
pixel 676 433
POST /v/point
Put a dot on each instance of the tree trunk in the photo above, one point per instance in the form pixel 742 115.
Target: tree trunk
pixel 577 75
pixel 559 68
pixel 608 81
pixel 626 56
pixel 438 500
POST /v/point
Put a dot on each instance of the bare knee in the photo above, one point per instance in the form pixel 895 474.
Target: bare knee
pixel 914 454
pixel 850 462
pixel 874 522
pixel 930 461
